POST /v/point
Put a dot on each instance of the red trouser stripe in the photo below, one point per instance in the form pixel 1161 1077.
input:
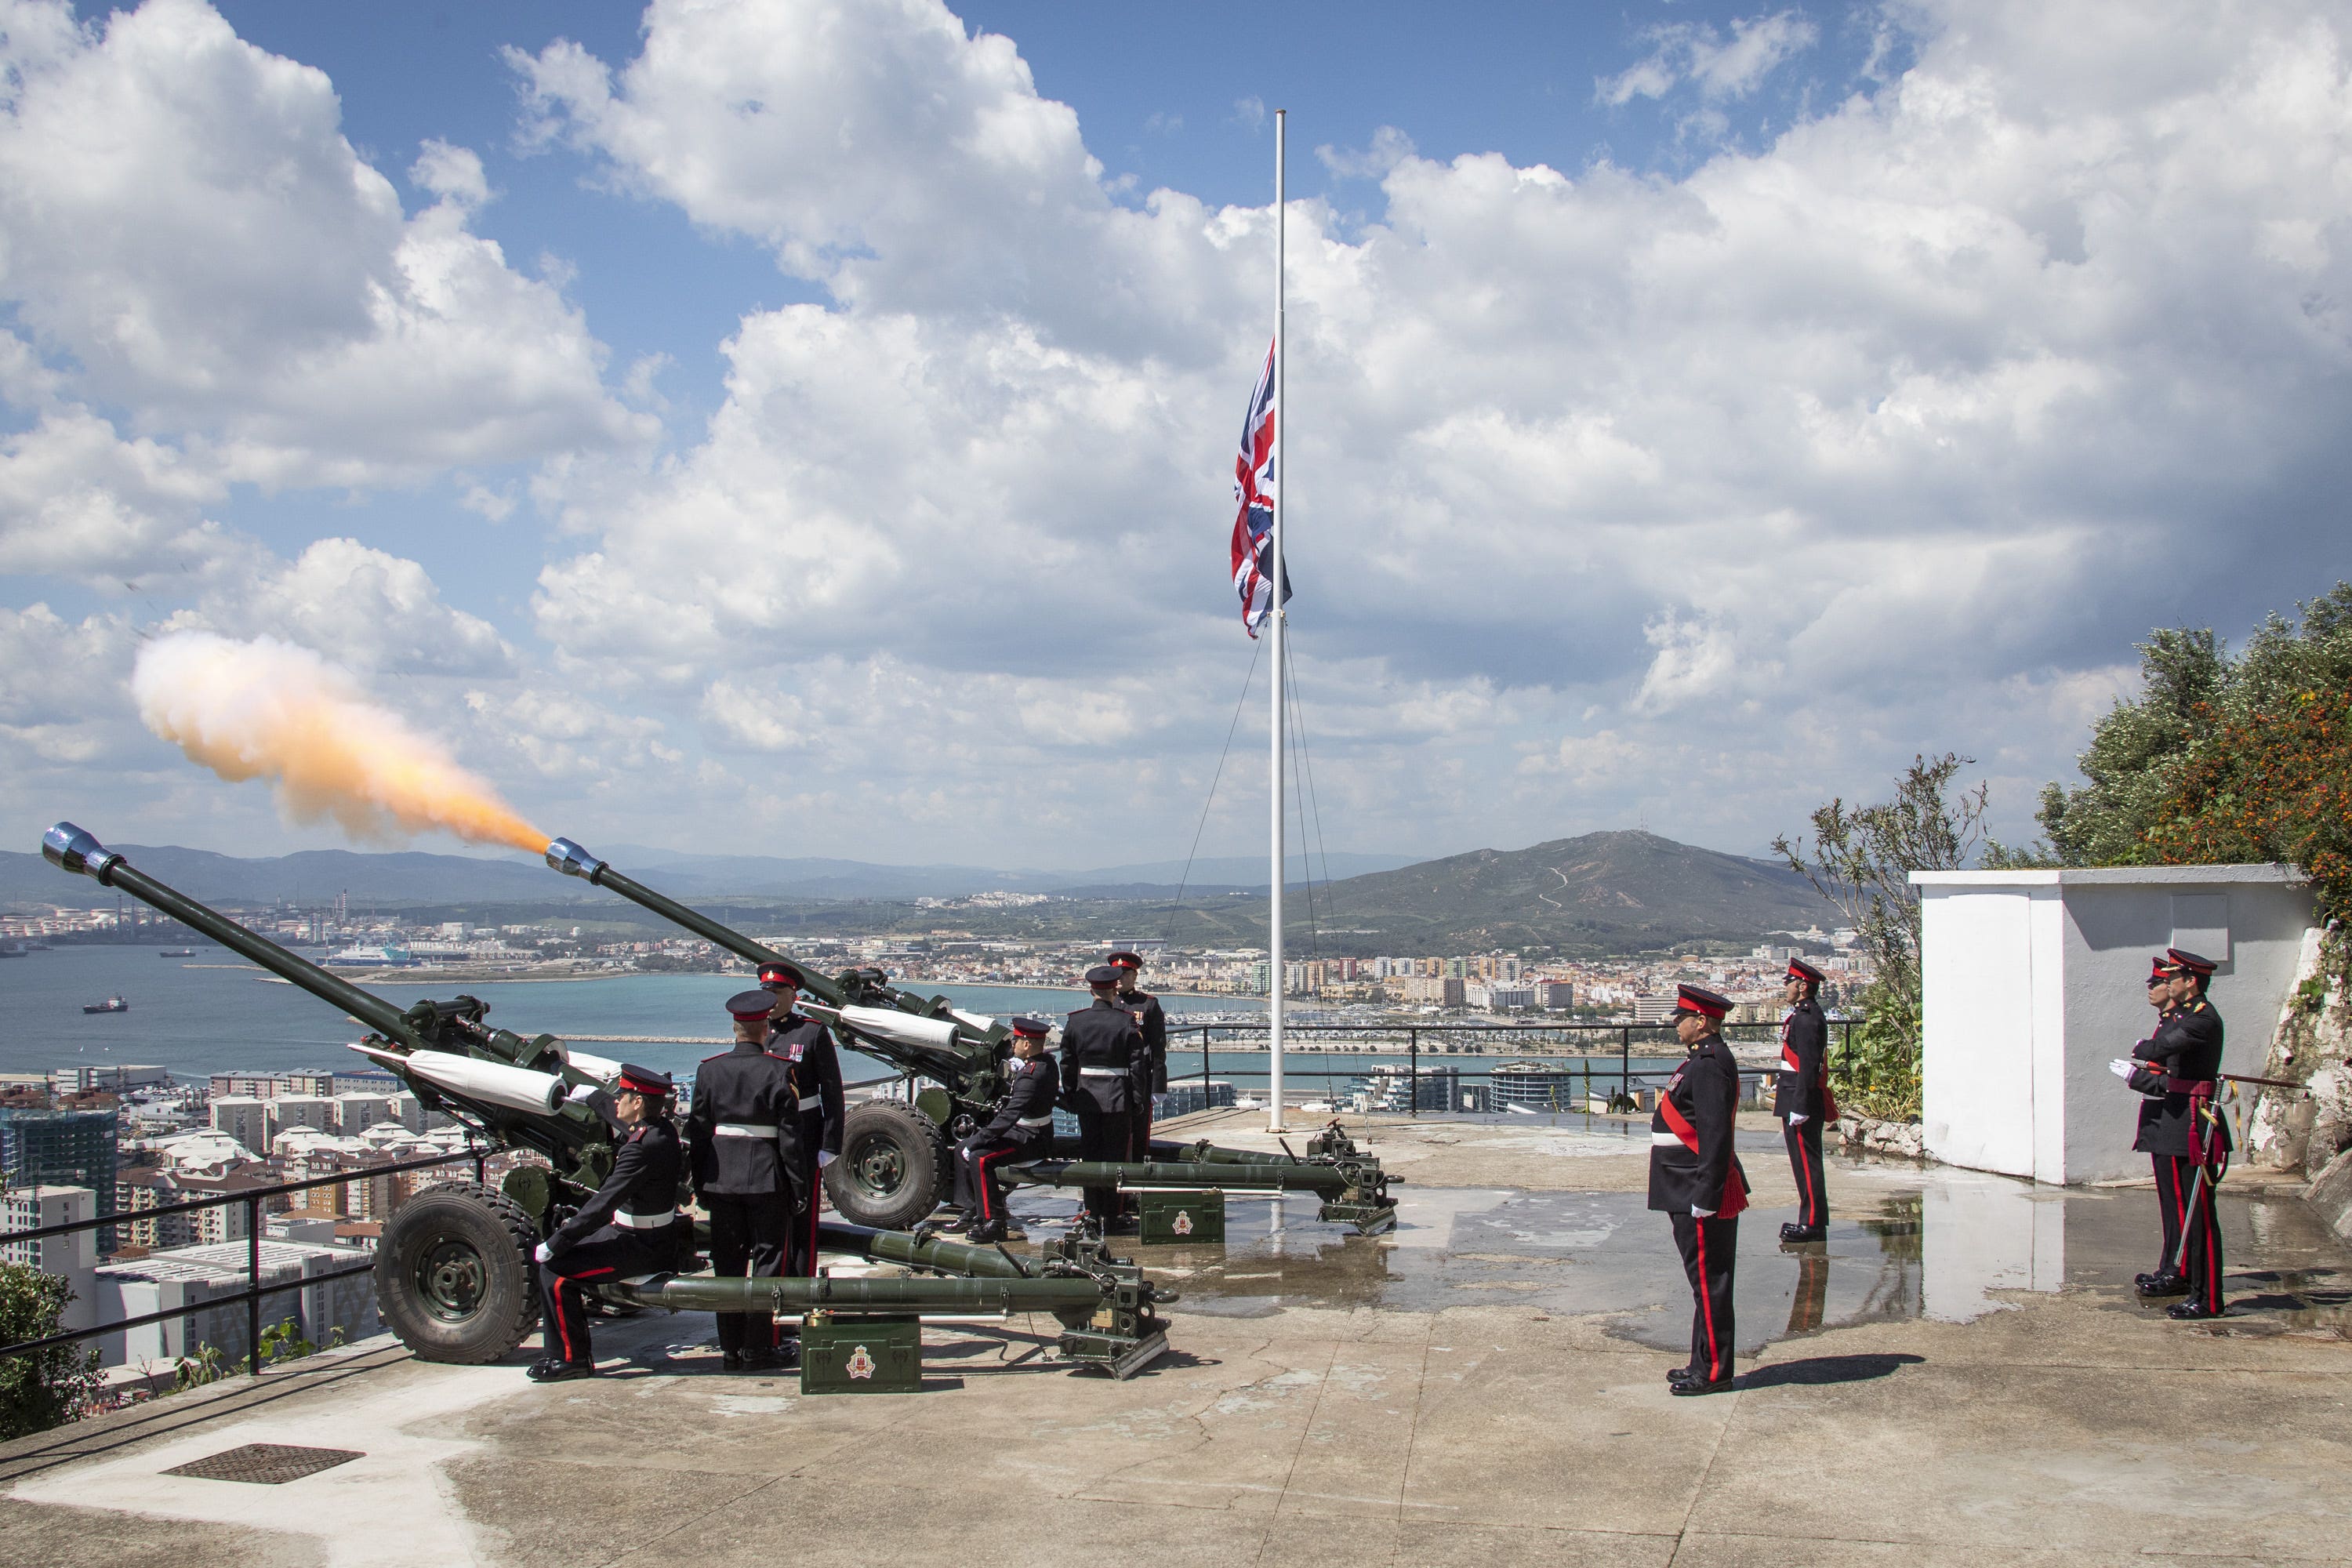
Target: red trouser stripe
pixel 1705 1298
pixel 1805 1169
pixel 987 1183
pixel 562 1327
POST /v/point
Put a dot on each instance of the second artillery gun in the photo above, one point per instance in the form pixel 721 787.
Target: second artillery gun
pixel 452 1270
pixel 894 1168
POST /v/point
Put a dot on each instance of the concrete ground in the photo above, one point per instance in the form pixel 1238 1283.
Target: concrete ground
pixel 1959 1377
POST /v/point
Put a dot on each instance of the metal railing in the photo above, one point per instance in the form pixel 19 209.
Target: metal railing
pixel 254 1290
pixel 1235 1032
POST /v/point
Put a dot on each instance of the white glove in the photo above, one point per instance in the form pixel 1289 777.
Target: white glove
pixel 542 1254
pixel 581 1091
pixel 2123 1066
pixel 1698 1213
pixel 1796 1119
pixel 824 1158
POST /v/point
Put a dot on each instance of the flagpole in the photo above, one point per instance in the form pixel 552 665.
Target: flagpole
pixel 1281 435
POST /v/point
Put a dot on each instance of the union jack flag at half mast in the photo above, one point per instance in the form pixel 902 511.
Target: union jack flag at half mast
pixel 1254 523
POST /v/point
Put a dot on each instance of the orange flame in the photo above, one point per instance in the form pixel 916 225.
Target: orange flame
pixel 267 709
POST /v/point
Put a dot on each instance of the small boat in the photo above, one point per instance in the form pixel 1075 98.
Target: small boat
pixel 177 952
pixel 111 1005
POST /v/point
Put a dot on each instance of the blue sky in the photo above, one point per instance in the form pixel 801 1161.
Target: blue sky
pixel 813 418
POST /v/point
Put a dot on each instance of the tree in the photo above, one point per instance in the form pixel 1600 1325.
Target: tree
pixel 1861 861
pixel 2221 758
pixel 43 1388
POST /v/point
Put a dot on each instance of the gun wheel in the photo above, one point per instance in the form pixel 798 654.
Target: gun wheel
pixel 893 1168
pixel 453 1274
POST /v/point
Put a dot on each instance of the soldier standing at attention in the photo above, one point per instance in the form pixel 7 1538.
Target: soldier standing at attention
pixel 2179 1066
pixel 807 1045
pixel 2164 1280
pixel 1103 1069
pixel 1023 1124
pixel 628 1228
pixel 1802 1098
pixel 743 1135
pixel 1695 1178
pixel 1153 1022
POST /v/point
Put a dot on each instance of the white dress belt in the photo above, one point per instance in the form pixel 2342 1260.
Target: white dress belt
pixel 640 1221
pixel 811 1101
pixel 742 1130
pixel 1045 1120
pixel 1106 1072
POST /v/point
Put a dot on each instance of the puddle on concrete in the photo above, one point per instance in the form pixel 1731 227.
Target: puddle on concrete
pixel 1946 1244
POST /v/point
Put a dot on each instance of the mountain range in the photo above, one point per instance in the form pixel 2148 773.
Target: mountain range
pixel 414 877
pixel 1596 892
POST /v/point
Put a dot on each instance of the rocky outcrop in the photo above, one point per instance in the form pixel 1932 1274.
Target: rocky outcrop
pixel 1906 1138
pixel 2290 1130
pixel 2330 1195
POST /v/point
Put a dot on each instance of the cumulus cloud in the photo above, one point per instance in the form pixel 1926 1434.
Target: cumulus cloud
pixel 1697 54
pixel 1902 412
pixel 191 240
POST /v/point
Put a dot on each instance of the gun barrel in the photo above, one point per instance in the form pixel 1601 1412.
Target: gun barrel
pixel 567 856
pixel 73 849
pixel 702 1293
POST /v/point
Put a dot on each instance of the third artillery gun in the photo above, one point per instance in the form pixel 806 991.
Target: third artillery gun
pixel 894 1171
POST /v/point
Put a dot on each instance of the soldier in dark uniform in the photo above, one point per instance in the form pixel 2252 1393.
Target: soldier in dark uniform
pixel 1103 1069
pixel 1153 1022
pixel 1801 1099
pixel 1697 1179
pixel 742 1139
pixel 629 1227
pixel 1023 1124
pixel 807 1045
pixel 2179 1068
pixel 2164 1280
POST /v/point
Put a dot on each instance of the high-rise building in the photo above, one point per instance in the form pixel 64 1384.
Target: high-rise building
pixel 72 1258
pixel 40 1148
pixel 312 1111
pixel 245 1119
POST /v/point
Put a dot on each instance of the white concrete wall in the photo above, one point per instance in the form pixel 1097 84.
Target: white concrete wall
pixel 2034 980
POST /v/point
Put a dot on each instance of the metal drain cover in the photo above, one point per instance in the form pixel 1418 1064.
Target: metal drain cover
pixel 266 1464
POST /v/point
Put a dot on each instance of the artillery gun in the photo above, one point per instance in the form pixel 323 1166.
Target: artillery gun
pixel 452 1270
pixel 894 1168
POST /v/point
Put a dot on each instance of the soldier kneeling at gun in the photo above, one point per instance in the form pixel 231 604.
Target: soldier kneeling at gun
pixel 1022 1125
pixel 629 1227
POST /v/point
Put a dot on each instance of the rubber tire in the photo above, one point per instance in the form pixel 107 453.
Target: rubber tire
pixel 498 1229
pixel 922 1154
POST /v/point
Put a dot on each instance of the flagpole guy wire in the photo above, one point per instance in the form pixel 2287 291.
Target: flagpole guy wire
pixel 1275 687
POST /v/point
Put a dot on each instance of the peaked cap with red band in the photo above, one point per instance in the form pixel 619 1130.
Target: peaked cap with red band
pixel 1799 970
pixel 1125 959
pixel 2180 963
pixel 2159 969
pixel 779 974
pixel 1700 1000
pixel 635 1079
pixel 750 1006
pixel 1034 1027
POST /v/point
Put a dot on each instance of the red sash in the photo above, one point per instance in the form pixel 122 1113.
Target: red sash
pixel 1735 1183
pixel 1788 1059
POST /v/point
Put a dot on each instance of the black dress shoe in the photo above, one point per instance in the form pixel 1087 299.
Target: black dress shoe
pixel 554 1369
pixel 1691 1385
pixel 788 1354
pixel 730 1361
pixel 2194 1306
pixel 2160 1285
pixel 1799 1233
pixel 985 1234
pixel 953 1225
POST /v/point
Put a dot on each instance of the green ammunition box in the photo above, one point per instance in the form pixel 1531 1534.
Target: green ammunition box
pixel 861 1355
pixel 1175 1218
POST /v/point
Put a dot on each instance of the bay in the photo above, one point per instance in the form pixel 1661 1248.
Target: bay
pixel 216 1013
